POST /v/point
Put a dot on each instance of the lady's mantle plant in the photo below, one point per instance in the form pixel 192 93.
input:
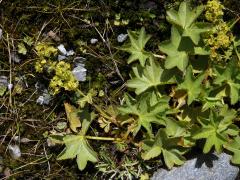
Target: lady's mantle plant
pixel 178 100
pixel 63 77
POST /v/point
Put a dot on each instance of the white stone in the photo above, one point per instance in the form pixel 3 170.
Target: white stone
pixel 14 151
pixel 10 86
pixel 80 72
pixel 44 99
pixel 62 49
pixel 122 37
pixel 61 57
pixel 93 41
pixel 70 53
pixel 15 57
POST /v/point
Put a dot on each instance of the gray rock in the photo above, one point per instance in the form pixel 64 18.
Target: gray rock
pixel 61 57
pixel 122 37
pixel 40 86
pixel 0 33
pixel 204 167
pixel 44 99
pixel 14 151
pixel 93 41
pixel 64 53
pixel 70 53
pixel 80 72
pixel 15 57
pixel 62 49
pixel 10 86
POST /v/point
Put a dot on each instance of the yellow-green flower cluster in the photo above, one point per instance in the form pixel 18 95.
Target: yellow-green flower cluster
pixel 44 51
pixel 63 78
pixel 39 65
pixel 214 10
pixel 221 37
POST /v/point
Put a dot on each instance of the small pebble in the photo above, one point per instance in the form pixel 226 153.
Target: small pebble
pixel 62 49
pixel 80 72
pixel 70 53
pixel 14 151
pixel 15 57
pixel 122 37
pixel 10 86
pixel 93 41
pixel 39 86
pixel 44 99
pixel 40 100
pixel 61 57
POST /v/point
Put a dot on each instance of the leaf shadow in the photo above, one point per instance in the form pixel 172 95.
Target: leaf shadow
pixel 206 159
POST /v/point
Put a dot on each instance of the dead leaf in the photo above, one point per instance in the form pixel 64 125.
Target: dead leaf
pixel 53 35
pixel 72 117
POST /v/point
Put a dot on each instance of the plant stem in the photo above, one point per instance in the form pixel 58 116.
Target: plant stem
pixel 103 138
pixel 10 70
pixel 159 56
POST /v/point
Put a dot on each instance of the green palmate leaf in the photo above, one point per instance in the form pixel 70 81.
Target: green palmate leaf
pixel 192 85
pixel 172 153
pixel 229 76
pixel 152 75
pixel 175 57
pixel 77 145
pixel 234 146
pixel 201 51
pixel 84 99
pixel 151 149
pixel 3 89
pixel 136 48
pixel 175 128
pixel 216 129
pixel 185 20
pixel 211 102
pixel 148 110
pixel 87 119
